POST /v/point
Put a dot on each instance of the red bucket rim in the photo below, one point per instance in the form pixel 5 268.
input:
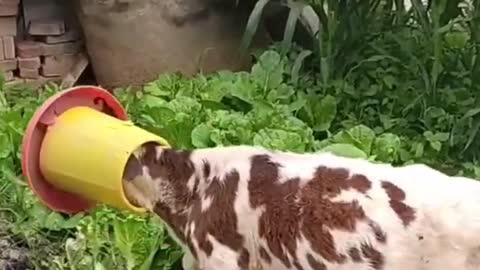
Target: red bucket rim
pixel 91 96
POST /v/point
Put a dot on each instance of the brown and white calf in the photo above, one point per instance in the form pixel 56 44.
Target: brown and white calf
pixel 242 207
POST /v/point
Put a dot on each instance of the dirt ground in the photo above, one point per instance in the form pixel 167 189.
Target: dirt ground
pixel 13 257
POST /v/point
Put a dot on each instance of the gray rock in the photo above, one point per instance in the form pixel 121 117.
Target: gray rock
pixel 15 254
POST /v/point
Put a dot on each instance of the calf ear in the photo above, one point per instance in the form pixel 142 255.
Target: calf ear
pixel 132 169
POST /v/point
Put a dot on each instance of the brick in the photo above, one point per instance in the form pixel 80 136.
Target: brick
pixel 8 26
pixel 65 61
pixel 16 81
pixel 29 73
pixel 71 35
pixel 8 75
pixel 8 9
pixel 58 65
pixel 40 9
pixel 28 48
pixel 8 65
pixel 46 27
pixel 9 47
pixel 29 63
pixel 62 48
pixel 50 72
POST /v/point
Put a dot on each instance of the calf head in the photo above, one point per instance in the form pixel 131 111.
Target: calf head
pixel 156 178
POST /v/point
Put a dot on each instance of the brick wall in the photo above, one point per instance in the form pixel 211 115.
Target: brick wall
pixel 36 47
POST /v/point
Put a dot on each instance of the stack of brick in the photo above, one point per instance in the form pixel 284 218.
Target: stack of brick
pixel 39 44
pixel 9 9
pixel 50 51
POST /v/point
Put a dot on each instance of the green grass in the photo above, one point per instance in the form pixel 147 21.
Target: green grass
pixel 385 84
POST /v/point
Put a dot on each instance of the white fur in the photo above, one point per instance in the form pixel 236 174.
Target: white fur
pixel 447 213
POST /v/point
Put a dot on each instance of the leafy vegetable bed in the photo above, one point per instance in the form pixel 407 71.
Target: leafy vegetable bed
pixel 397 92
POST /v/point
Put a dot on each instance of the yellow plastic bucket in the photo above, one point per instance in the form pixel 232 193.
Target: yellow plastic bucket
pixel 85 152
pixel 75 150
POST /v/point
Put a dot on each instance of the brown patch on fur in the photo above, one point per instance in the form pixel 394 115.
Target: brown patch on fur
pixel 244 259
pixel 397 196
pixel 207 247
pixel 314 264
pixel 220 219
pixel 404 212
pixel 380 235
pixel 297 265
pixel 360 183
pixel 320 212
pixel 279 222
pixel 376 259
pixel 354 254
pixel 393 192
pixel 176 222
pixel 195 186
pixel 206 169
pixel 264 255
pixel 286 204
pixel 176 168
